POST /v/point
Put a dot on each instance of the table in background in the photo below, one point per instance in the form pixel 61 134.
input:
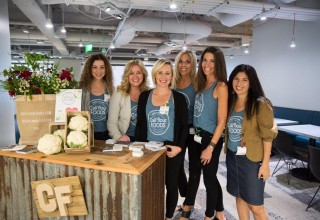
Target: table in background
pixel 116 185
pixel 307 130
pixel 281 122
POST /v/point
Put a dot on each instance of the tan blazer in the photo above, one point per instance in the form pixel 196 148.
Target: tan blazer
pixel 259 128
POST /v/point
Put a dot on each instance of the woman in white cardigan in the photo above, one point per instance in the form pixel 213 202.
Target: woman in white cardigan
pixel 122 116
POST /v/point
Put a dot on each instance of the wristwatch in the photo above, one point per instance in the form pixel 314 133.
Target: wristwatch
pixel 212 145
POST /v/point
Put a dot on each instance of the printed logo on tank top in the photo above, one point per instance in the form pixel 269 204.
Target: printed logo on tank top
pixel 198 105
pixel 158 123
pixel 235 128
pixel 98 109
pixel 133 119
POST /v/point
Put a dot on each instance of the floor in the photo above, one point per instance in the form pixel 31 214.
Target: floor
pixel 283 201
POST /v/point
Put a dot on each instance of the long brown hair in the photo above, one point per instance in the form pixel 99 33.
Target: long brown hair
pixel 220 70
pixel 87 78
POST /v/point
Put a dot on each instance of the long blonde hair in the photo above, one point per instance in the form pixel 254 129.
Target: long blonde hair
pixel 124 87
pixel 193 73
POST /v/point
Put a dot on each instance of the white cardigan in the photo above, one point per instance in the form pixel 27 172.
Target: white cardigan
pixel 119 115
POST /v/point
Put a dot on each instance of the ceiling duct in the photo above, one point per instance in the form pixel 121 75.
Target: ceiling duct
pixel 33 11
pixel 193 30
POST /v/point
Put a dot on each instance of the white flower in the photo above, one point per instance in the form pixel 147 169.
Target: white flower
pixel 78 123
pixel 77 139
pixel 50 144
pixel 60 133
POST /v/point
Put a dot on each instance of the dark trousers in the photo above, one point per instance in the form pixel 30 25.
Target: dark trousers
pixel 172 177
pixel 101 135
pixel 183 182
pixel 211 182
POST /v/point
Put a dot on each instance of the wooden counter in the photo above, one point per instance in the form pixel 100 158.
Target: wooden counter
pixel 115 185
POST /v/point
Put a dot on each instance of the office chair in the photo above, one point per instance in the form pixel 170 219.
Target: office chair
pixel 314 155
pixel 283 143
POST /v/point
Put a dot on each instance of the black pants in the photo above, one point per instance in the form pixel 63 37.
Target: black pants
pixel 183 182
pixel 211 182
pixel 172 177
pixel 101 135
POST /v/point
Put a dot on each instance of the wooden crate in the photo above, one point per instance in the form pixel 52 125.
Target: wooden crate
pixel 53 126
pixel 89 133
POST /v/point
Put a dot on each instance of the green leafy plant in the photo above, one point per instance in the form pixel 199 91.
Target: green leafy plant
pixel 36 78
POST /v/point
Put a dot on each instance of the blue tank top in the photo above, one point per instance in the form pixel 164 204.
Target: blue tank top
pixel 133 119
pixel 99 106
pixel 189 93
pixel 160 126
pixel 206 110
pixel 234 126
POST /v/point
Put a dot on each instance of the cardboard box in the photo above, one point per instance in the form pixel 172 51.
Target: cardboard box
pixel 89 132
pixel 53 126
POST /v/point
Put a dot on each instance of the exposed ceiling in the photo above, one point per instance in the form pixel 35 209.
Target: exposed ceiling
pixel 143 28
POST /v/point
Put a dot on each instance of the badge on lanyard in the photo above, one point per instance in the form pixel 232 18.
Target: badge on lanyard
pixel 164 109
pixel 106 97
pixel 242 150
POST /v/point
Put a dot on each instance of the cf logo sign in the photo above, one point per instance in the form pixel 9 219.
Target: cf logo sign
pixel 52 197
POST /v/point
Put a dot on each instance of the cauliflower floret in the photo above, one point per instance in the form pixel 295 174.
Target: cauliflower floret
pixel 60 133
pixel 77 139
pixel 50 144
pixel 78 123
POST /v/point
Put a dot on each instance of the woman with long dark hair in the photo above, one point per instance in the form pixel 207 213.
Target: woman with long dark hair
pixel 209 119
pixel 248 140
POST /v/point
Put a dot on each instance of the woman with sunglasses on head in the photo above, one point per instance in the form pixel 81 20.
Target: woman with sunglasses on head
pixel 185 80
pixel 97 87
pixel 122 118
pixel 209 119
pixel 163 116
pixel 248 141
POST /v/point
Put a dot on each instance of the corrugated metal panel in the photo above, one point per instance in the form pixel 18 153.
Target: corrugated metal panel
pixel 108 195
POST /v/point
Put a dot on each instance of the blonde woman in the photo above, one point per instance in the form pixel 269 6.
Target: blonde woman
pixel 122 118
pixel 163 116
pixel 184 82
pixel 97 87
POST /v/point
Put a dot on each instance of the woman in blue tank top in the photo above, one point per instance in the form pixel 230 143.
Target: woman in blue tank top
pixel 97 87
pixel 163 116
pixel 185 80
pixel 249 134
pixel 209 119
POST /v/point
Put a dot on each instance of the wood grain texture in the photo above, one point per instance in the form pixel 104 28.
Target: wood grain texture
pixel 122 163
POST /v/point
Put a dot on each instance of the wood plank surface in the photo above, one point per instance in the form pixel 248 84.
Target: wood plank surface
pixel 122 162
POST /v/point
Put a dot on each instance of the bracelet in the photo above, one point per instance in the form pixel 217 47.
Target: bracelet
pixel 212 145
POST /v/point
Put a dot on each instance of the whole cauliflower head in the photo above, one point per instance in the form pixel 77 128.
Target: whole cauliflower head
pixel 50 144
pixel 78 123
pixel 77 139
pixel 60 133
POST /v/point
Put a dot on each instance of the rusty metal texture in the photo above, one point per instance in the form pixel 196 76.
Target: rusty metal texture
pixel 108 195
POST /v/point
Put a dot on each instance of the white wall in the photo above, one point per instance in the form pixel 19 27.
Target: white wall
pixel 290 77
pixel 7 134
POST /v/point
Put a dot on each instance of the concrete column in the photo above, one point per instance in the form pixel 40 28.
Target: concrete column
pixel 7 131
